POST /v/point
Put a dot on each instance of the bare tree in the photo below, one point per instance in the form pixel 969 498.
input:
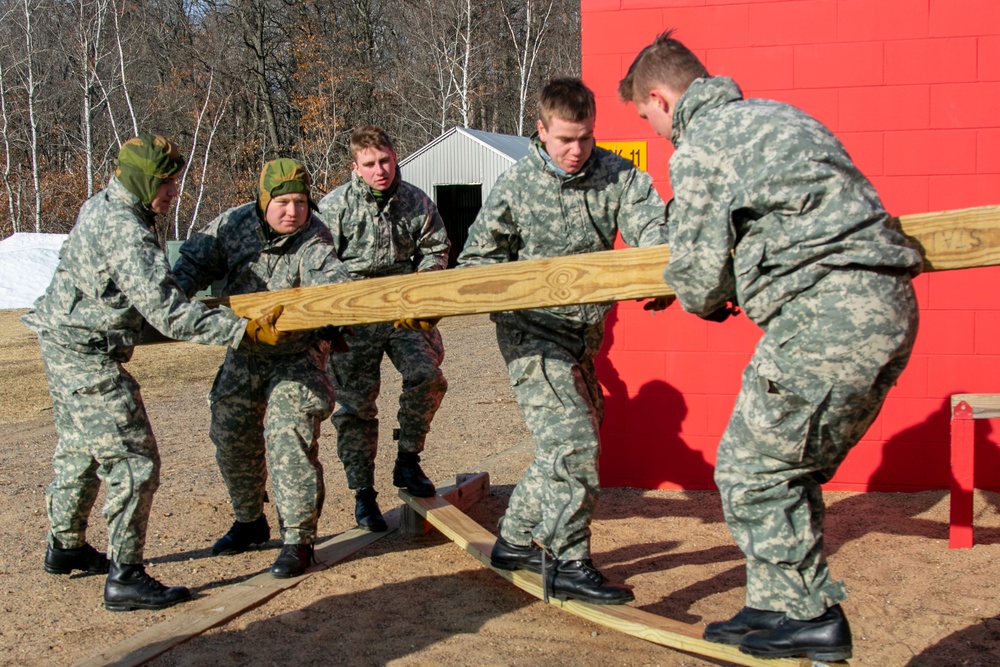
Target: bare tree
pixel 5 132
pixel 527 31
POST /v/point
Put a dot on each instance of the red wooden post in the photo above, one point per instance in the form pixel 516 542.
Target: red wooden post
pixel 963 444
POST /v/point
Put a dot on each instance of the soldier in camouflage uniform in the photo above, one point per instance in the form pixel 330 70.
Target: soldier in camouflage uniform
pixel 383 226
pixel 566 197
pixel 770 213
pixel 112 278
pixel 268 403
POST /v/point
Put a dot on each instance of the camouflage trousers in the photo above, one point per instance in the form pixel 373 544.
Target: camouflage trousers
pixel 815 384
pixel 562 404
pixel 357 377
pixel 104 434
pixel 266 414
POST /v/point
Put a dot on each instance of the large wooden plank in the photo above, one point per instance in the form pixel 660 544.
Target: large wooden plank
pixel 201 615
pixel 476 540
pixel 960 239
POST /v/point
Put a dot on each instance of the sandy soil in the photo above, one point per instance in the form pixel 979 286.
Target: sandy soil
pixel 424 601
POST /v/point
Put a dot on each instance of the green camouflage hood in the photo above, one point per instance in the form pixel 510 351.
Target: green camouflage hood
pixel 144 162
pixel 281 177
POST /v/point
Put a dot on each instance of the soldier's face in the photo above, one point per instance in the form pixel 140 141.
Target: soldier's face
pixel 658 110
pixel 287 213
pixel 568 143
pixel 376 166
pixel 165 195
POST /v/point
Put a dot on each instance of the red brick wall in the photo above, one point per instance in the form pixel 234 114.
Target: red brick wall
pixel 912 88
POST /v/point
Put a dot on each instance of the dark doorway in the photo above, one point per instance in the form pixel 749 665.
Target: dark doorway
pixel 458 205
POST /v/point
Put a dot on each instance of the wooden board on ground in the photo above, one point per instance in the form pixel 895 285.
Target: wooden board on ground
pixel 949 240
pixel 201 615
pixel 478 541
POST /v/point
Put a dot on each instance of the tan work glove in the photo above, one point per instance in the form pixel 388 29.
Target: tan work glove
pixel 416 324
pixel 263 329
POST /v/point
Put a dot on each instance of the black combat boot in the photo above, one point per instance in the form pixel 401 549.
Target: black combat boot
pixel 747 620
pixel 366 511
pixel 292 560
pixel 580 580
pixel 129 587
pixel 408 474
pixel 85 558
pixel 241 536
pixel 508 556
pixel 823 639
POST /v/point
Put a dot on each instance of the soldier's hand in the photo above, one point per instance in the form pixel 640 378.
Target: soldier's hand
pixel 416 324
pixel 659 303
pixel 336 336
pixel 722 313
pixel 263 329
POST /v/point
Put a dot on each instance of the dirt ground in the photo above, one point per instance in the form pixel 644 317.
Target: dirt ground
pixel 424 601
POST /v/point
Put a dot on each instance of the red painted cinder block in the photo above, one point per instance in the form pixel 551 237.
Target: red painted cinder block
pixel 913 381
pixel 954 192
pixel 866 150
pixel 966 374
pixel 902 195
pixel 930 152
pixel 654 411
pixel 705 373
pixel 616 32
pixel 931 61
pixel 668 330
pixel 917 419
pixel 709 27
pixel 988 150
pixel 602 73
pixel 662 4
pixel 839 65
pixel 967 289
pixel 737 334
pixel 875 108
pixel 950 18
pixel 755 67
pixel 946 332
pixel 630 371
pixel 617 121
pixel 988 334
pixel 720 409
pixel 587 6
pixel 882 20
pixel 965 104
pixel 802 22
pixel 989 58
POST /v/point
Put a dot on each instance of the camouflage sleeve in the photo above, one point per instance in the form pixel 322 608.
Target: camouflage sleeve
pixel 201 260
pixel 331 211
pixel 141 271
pixel 319 264
pixel 701 233
pixel 433 244
pixel 494 236
pixel 642 217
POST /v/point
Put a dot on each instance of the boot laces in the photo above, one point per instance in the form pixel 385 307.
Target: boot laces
pixel 141 576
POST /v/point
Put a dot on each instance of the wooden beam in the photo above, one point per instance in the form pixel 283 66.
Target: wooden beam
pixel 949 240
pixel 203 614
pixel 470 489
pixel 475 539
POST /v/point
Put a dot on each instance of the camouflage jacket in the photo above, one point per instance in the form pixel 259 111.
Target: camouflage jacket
pixel 533 214
pixel 235 247
pixel 408 235
pixel 112 276
pixel 766 202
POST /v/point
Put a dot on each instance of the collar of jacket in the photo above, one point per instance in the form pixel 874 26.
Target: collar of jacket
pixel 146 216
pixel 703 95
pixel 364 191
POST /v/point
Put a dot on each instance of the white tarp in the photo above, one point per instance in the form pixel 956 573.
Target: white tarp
pixel 27 262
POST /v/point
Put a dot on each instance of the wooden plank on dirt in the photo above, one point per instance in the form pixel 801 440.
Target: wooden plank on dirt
pixel 959 239
pixel 471 487
pixel 475 539
pixel 203 614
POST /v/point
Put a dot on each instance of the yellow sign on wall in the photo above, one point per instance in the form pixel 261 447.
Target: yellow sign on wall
pixel 630 150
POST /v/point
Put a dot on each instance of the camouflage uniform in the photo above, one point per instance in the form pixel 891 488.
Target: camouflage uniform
pixel 532 213
pixel 770 212
pixel 275 396
pixel 111 278
pixel 404 236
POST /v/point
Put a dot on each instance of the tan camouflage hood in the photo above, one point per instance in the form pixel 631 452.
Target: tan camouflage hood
pixel 281 177
pixel 144 162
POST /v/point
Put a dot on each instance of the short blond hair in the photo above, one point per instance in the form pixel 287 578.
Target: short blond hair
pixel 665 61
pixel 370 136
pixel 566 98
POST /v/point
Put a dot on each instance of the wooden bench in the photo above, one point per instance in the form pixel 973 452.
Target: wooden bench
pixel 965 409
